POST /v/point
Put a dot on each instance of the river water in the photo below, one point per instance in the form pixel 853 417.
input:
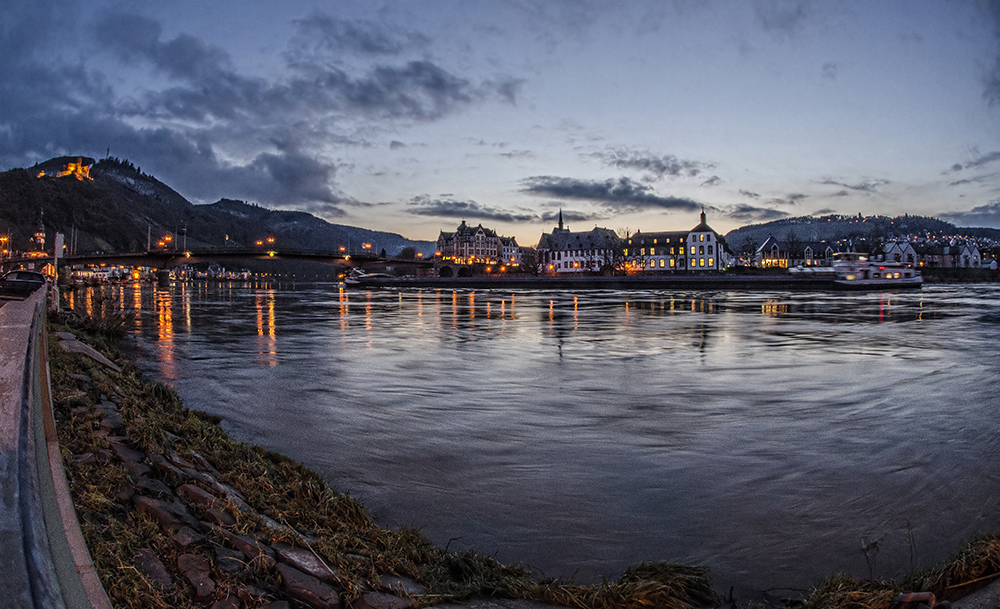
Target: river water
pixel 776 437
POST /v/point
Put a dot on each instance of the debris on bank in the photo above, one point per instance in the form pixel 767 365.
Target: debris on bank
pixel 177 514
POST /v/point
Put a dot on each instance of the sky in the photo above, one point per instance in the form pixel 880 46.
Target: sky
pixel 413 116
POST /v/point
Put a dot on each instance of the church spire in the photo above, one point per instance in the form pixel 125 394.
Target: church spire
pixel 560 219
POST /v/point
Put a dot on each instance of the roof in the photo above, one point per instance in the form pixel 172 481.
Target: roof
pixel 561 240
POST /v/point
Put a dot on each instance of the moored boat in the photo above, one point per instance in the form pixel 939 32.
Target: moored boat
pixel 854 271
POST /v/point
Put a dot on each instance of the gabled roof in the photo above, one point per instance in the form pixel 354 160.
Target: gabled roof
pixel 562 240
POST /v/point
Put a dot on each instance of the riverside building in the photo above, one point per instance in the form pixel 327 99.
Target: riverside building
pixel 563 251
pixel 699 249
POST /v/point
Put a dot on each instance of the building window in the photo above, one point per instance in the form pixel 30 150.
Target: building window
pixel 662 263
pixel 709 249
pixel 711 262
pixel 694 250
pixel 701 262
pixel 701 250
pixel 671 251
pixel 642 252
pixel 701 237
pixel 673 262
pixel 654 241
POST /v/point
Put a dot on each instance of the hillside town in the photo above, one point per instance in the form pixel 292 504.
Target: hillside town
pixel 473 250
pixel 476 250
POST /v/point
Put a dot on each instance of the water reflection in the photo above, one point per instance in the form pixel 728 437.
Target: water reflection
pixel 763 434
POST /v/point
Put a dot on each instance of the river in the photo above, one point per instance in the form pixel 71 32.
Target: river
pixel 776 437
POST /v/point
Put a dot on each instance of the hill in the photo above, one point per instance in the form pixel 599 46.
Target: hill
pixel 120 209
pixel 855 229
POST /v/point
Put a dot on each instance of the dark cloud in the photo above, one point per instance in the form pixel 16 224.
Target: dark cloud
pixel 569 215
pixel 622 195
pixel 396 145
pixel 830 71
pixel 200 123
pixel 653 164
pixel 792 199
pixel 749 213
pixel 518 154
pixel 985 215
pixel 747 193
pixel 323 36
pixel 869 185
pixel 991 91
pixel 712 181
pixel 981 160
pixel 989 177
pixel 826 211
pixel 781 18
pixel 450 208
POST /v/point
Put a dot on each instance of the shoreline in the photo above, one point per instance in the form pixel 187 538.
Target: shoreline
pixel 155 423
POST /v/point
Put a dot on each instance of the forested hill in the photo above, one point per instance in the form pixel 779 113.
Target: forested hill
pixel 855 228
pixel 120 207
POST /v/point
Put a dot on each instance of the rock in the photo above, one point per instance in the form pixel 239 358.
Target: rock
pixel 151 565
pixel 307 589
pixel 236 498
pixel 305 561
pixel 112 421
pixel 124 493
pixel 230 602
pixel 402 585
pixel 249 593
pixel 203 463
pixel 157 510
pixel 178 460
pixel 153 487
pixel 105 455
pixel 126 454
pixel 381 600
pixel 253 548
pixel 197 495
pixel 170 515
pixel 228 561
pixel 186 536
pixel 205 478
pixel 196 570
pixel 137 469
pixel 219 517
pixel 173 474
pixel 83 378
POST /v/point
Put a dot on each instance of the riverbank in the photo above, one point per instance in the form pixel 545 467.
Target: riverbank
pixel 176 514
pixel 155 423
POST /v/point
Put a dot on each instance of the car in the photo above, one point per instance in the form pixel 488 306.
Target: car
pixel 21 282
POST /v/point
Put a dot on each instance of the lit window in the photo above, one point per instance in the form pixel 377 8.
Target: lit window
pixel 654 241
pixel 671 251
pixel 711 262
pixel 701 237
pixel 694 250
pixel 626 251
pixel 701 262
pixel 662 263
pixel 673 262
pixel 701 250
pixel 642 252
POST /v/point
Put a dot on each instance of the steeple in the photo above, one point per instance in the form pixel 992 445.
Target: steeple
pixel 560 219
pixel 703 215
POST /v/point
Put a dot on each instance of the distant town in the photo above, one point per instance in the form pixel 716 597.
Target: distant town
pixel 480 250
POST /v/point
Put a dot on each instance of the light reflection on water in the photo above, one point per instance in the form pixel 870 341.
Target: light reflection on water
pixel 767 435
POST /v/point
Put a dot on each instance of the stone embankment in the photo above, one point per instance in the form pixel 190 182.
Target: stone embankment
pixel 185 498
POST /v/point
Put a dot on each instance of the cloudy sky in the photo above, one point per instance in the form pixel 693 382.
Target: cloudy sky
pixel 413 116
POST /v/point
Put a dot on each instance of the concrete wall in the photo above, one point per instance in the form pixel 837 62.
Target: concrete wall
pixel 43 560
